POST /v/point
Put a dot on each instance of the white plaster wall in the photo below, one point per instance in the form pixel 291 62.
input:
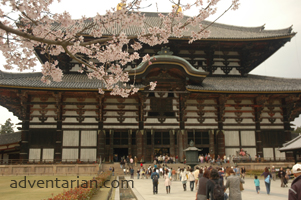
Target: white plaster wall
pixel 50 120
pixel 248 138
pixel 193 121
pixel 279 155
pixel 48 154
pixel 210 121
pixel 271 127
pixel 160 127
pixel 192 101
pixel 268 153
pixel 34 154
pixel 234 71
pixel 69 154
pixel 70 120
pixel 88 155
pixel 90 113
pixel 70 113
pixel 130 120
pixel 115 114
pixel 209 114
pixel 209 101
pixel 70 138
pixel 90 120
pixel 80 126
pixel 231 138
pixel 5 158
pixel 88 138
pixel 121 126
pixel 192 114
pixel 231 151
pixel 238 127
pixel 212 108
pixel 201 126
pixel 42 126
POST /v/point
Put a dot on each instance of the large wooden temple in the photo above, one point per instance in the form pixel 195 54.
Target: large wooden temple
pixel 204 94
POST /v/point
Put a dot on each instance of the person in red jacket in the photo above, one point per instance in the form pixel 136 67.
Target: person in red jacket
pixel 294 193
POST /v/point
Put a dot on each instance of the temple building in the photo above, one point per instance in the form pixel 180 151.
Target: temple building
pixel 204 93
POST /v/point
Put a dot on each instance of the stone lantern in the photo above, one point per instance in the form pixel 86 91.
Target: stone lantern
pixel 192 154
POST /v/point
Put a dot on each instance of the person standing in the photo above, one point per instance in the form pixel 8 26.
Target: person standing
pixel 183 177
pixel 132 173
pixel 196 175
pixel 273 172
pixel 201 188
pixel 294 192
pixel 281 175
pixel 233 183
pixel 243 172
pixel 211 185
pixel 135 161
pixel 132 162
pixel 267 179
pixel 167 182
pixel 257 184
pixel 191 179
pixel 113 170
pixel 155 177
pixel 173 173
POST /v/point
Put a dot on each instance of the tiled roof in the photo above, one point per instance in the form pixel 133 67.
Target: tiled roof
pixel 291 145
pixel 33 80
pixel 218 31
pixel 251 83
pixel 10 138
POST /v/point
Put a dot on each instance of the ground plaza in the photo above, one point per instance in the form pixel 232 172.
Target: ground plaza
pixel 143 190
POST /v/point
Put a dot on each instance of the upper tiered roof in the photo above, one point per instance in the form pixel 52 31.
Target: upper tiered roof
pixel 218 30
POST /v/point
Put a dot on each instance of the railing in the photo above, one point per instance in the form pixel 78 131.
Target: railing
pixel 45 161
pixel 263 159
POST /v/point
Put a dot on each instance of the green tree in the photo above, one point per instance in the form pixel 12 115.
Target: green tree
pixel 7 127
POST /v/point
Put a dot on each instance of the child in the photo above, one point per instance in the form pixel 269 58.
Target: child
pixel 257 184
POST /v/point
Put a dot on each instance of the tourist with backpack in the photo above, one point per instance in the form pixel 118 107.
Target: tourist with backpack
pixel 267 179
pixel 233 183
pixel 155 177
pixel 214 187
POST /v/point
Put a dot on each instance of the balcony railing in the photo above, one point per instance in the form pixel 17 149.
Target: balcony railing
pixel 45 161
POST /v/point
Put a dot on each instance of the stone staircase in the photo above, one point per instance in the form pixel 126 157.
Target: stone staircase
pixel 119 171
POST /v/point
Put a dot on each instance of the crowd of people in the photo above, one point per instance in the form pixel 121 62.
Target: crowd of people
pixel 205 179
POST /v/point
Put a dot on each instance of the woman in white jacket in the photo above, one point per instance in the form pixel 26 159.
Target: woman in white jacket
pixel 183 175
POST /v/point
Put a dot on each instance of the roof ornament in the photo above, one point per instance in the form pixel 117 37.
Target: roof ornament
pixel 165 51
pixel 179 8
pixel 120 6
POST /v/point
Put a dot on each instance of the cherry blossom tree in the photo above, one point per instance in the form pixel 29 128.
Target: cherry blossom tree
pixel 108 48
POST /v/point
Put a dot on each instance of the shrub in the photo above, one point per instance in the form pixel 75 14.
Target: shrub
pixel 85 191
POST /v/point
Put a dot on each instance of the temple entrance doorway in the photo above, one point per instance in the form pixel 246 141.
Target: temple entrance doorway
pixel 120 153
pixel 161 151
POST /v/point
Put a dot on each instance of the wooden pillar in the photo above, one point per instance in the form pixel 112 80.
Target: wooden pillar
pixel 259 105
pixel 130 143
pixel 59 131
pixel 172 143
pixel 25 109
pixel 111 150
pixel 181 144
pixel 139 144
pixel 101 144
pixel 286 123
pixel 211 143
pixel 220 138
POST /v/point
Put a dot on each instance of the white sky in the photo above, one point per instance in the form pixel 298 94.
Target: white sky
pixel 275 14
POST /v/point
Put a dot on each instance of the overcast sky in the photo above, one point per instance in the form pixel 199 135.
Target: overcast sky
pixel 275 14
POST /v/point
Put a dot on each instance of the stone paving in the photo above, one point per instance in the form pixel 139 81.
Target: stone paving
pixel 143 190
